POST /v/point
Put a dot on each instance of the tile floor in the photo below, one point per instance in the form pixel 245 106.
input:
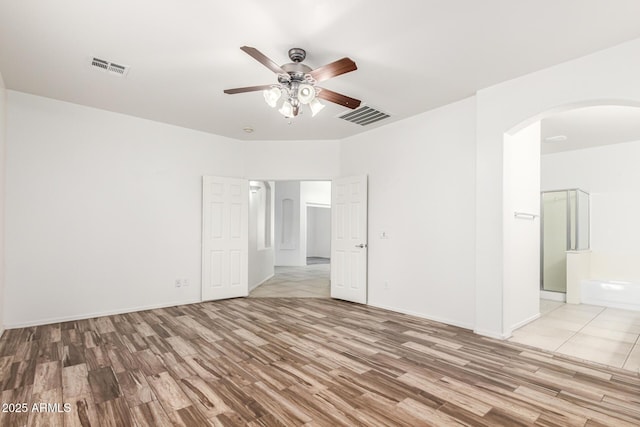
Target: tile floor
pixel 310 281
pixel 599 334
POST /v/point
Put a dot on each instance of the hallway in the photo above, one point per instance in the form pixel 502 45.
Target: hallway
pixel 310 281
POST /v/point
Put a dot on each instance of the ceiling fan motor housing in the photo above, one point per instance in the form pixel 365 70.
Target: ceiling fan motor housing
pixel 296 72
pixel 297 54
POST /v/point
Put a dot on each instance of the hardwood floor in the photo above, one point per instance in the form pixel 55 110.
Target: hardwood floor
pixel 296 361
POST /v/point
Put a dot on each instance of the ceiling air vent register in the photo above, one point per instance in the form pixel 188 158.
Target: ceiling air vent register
pixel 110 67
pixel 364 115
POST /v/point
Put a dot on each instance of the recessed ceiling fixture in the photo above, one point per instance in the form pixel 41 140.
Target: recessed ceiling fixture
pixel 248 129
pixel 297 83
pixel 111 67
pixel 555 138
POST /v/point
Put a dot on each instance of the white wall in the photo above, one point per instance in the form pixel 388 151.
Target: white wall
pixel 292 160
pixel 3 128
pixel 611 174
pixel 103 210
pixel 302 193
pixel 421 193
pixel 316 192
pixel 607 75
pixel 521 234
pixel 318 232
pixel 261 260
pixel 312 193
pixel 288 162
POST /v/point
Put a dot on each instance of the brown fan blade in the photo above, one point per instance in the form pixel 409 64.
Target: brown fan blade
pixel 338 98
pixel 262 58
pixel 341 66
pixel 247 89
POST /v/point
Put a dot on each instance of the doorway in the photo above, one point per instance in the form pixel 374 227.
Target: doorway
pixel 301 257
pixel 274 223
pixel 576 148
pixel 318 234
pixel 564 227
pixel 592 148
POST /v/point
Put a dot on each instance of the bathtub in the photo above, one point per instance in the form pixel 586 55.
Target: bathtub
pixel 610 293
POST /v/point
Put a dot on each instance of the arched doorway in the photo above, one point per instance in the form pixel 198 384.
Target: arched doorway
pixel 583 146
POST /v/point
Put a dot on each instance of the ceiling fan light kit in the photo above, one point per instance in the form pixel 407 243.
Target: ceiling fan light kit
pixel 271 96
pixel 315 106
pixel 297 83
pixel 306 93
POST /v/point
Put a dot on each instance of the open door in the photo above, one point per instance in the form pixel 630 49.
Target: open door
pixel 225 229
pixel 349 239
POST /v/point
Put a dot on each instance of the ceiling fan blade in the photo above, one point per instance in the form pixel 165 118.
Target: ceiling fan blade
pixel 262 58
pixel 247 89
pixel 341 66
pixel 338 98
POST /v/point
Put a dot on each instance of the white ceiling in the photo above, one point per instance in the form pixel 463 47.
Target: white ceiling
pixel 412 55
pixel 591 127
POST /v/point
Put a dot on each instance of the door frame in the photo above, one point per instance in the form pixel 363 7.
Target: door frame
pixel 315 178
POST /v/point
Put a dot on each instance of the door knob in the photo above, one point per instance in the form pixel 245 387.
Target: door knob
pixel 361 246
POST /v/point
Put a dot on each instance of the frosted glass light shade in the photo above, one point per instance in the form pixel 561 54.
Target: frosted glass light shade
pixel 271 96
pixel 286 109
pixel 306 93
pixel 316 106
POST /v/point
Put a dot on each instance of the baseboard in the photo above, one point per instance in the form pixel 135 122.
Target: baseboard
pixel 97 314
pixel 260 283
pixel 524 322
pixel 424 316
pixel 553 296
pixel 491 334
pixel 506 335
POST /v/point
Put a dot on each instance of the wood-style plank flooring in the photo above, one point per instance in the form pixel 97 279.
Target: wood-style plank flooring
pixel 297 361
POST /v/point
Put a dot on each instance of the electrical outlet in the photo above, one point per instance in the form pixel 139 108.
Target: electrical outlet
pixel 386 285
pixel 178 283
pixel 185 282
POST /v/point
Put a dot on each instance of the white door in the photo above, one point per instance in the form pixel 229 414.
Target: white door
pixel 225 229
pixel 349 239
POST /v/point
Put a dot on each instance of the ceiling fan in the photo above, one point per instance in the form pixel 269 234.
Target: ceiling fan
pixel 297 83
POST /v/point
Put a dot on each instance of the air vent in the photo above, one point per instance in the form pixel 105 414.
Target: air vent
pixel 111 67
pixel 364 115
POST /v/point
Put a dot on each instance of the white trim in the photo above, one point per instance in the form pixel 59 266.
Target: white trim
pixel 97 314
pixel 261 283
pixel 2 331
pixel 524 322
pixel 491 334
pixel 506 335
pixel 424 316
pixel 553 296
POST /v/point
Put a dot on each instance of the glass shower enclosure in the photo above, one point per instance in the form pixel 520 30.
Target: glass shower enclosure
pixel 564 227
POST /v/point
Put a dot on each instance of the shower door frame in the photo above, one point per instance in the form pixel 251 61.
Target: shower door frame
pixel 577 221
